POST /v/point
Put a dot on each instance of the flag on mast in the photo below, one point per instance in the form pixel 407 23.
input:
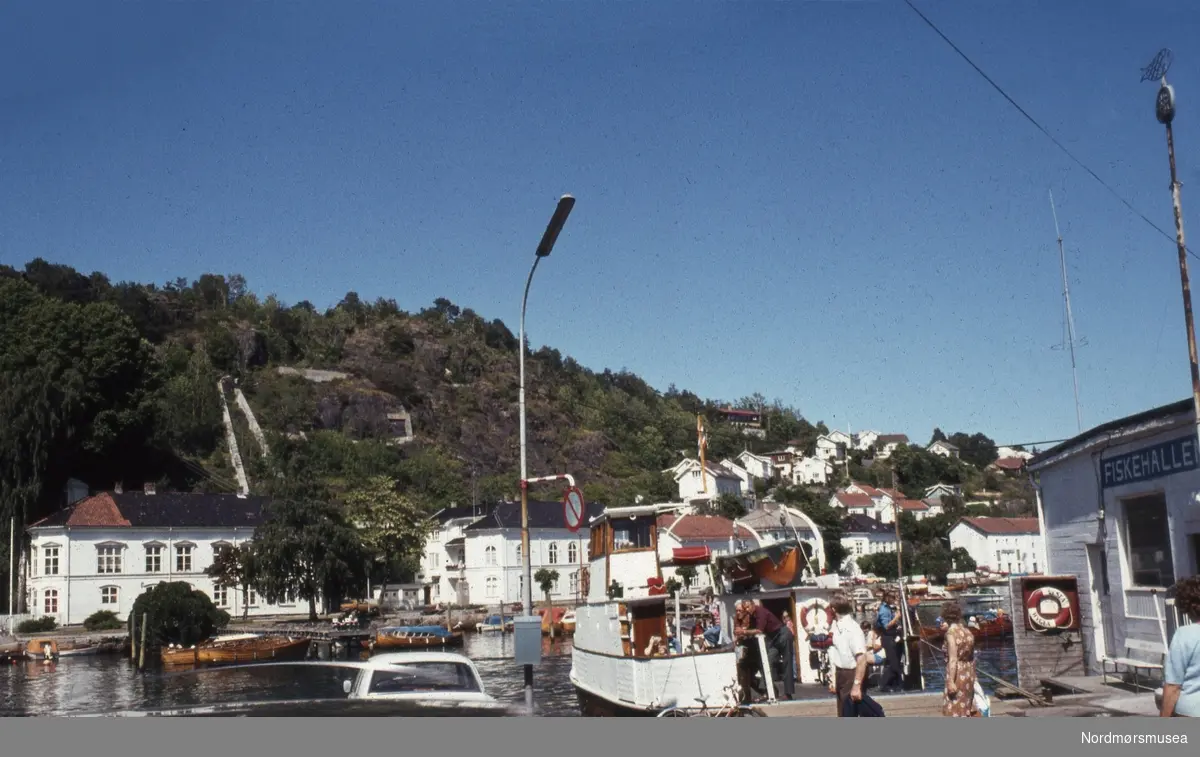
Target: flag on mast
pixel 702 447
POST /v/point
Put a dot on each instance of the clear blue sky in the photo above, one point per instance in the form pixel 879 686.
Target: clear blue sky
pixel 818 201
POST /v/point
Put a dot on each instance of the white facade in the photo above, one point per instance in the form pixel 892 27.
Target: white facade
pixel 757 465
pixel 862 542
pixel 865 440
pixel 811 470
pixel 493 564
pixel 943 448
pixel 77 571
pixel 830 449
pixel 742 474
pixel 712 482
pixel 999 552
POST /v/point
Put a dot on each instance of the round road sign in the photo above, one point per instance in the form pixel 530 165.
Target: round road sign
pixel 573 508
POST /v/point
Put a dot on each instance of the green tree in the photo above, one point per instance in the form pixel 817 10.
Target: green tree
pixel 307 548
pixel 975 449
pixel 687 574
pixel 961 560
pixel 235 566
pixel 882 564
pixel 545 579
pixel 175 613
pixel 393 526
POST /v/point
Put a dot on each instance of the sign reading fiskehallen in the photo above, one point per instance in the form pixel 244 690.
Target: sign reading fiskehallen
pixel 1152 462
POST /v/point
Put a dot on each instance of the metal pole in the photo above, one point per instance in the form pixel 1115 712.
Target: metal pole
pixel 12 540
pixel 526 564
pixel 1183 274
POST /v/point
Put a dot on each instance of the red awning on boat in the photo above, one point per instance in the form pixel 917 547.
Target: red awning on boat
pixel 691 555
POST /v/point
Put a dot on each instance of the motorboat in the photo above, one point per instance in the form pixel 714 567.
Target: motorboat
pixel 568 622
pixel 416 637
pixel 495 624
pixel 398 683
pixel 237 649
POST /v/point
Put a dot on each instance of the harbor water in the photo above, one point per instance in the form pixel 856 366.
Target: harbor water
pixel 85 685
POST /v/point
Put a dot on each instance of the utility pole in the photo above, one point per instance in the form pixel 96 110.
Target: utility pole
pixel 1164 110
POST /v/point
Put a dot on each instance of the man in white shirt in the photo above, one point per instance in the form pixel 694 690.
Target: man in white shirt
pixel 848 655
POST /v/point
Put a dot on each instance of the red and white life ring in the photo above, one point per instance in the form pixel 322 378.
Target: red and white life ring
pixel 1049 608
pixel 816 604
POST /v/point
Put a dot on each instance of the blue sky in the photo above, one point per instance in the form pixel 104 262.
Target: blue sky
pixel 819 201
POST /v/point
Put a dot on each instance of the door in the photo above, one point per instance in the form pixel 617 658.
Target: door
pixel 1101 599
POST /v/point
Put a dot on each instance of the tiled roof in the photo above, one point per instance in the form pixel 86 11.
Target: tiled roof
pixel 894 494
pixel 163 510
pixel 1010 463
pixel 871 491
pixel 700 527
pixel 865 524
pixel 848 499
pixel 1002 526
pixel 912 505
pixel 768 518
pixel 892 438
pixel 542 514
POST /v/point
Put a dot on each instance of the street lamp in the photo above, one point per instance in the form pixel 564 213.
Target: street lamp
pixel 565 203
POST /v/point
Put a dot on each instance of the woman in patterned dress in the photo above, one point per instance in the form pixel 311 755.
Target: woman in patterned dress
pixel 958 701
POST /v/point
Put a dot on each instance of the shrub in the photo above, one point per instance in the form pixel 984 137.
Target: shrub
pixel 177 614
pixel 37 625
pixel 102 620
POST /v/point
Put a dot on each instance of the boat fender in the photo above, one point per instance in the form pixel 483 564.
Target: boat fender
pixel 1048 621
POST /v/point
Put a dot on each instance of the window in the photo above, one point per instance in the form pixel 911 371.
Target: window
pixel 521 588
pixel 108 595
pixel 50 557
pixel 493 586
pixel 154 559
pixel 108 559
pixel 575 583
pixel 553 553
pixel 489 556
pixel 251 598
pixel 858 548
pixel 1148 541
pixel 50 601
pixel 632 533
pixel 183 558
pixel 572 553
pixel 414 678
pixel 433 560
pixel 221 596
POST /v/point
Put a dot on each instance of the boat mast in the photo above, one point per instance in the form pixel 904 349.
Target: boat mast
pixel 1062 259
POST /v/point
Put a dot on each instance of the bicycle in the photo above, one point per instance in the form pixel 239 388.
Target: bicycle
pixel 730 708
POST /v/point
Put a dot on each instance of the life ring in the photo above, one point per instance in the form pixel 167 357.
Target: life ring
pixel 1043 621
pixel 816 604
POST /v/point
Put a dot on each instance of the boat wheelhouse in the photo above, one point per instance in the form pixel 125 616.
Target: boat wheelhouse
pixel 621 664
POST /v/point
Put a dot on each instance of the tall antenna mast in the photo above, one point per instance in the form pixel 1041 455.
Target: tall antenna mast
pixel 1071 341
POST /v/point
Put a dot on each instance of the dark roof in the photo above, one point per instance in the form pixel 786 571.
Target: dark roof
pixel 447 514
pixel 542 514
pixel 1165 411
pixel 163 510
pixel 889 438
pixel 457 541
pixel 864 524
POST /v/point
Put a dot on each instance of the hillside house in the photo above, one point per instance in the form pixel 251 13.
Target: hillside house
pixel 855 503
pixel 943 448
pixel 1119 510
pixel 864 535
pixel 937 491
pixel 886 444
pixel 707 483
pixel 1009 466
pixel 864 441
pixel 833 447
pixel 749 422
pixel 1001 545
pixel 742 474
pixel 781 462
pixel 811 470
pixel 104 551
pixel 759 466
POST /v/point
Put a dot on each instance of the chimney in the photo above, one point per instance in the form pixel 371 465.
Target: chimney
pixel 118 488
pixel 148 488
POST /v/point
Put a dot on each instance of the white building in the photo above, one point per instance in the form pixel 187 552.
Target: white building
pixel 833 447
pixel 695 484
pixel 1118 505
pixel 887 444
pixel 811 470
pixel 759 466
pixel 864 535
pixel 104 551
pixel 475 559
pixel 716 533
pixel 937 491
pixel 864 441
pixel 742 474
pixel 855 503
pixel 943 448
pixel 1001 545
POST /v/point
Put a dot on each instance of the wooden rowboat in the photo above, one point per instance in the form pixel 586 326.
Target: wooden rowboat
pixel 239 651
pixel 998 628
pixel 416 637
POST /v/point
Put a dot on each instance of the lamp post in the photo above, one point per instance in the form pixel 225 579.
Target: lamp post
pixel 565 203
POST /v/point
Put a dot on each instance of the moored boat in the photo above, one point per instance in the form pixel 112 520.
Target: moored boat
pixel 238 651
pixel 41 650
pixel 495 624
pixel 552 620
pixel 568 622
pixel 416 637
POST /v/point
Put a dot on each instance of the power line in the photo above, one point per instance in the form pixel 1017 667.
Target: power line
pixel 1043 129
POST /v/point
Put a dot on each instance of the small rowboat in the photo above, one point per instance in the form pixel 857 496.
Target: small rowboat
pixel 416 637
pixel 495 624
pixel 988 628
pixel 568 622
pixel 239 651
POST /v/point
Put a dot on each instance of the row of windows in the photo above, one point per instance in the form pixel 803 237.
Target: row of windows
pixel 492 585
pixel 552 552
pixel 110 595
pixel 110 559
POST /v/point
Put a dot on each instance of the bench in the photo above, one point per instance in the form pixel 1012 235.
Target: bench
pixel 1131 664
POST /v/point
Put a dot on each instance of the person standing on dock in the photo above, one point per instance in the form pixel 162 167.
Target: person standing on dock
pixel 1181 674
pixel 958 700
pixel 887 623
pixel 848 655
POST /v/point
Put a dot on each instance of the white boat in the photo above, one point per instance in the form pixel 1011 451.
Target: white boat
pixel 615 670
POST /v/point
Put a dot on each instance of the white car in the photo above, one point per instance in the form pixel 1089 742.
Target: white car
pixel 434 677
